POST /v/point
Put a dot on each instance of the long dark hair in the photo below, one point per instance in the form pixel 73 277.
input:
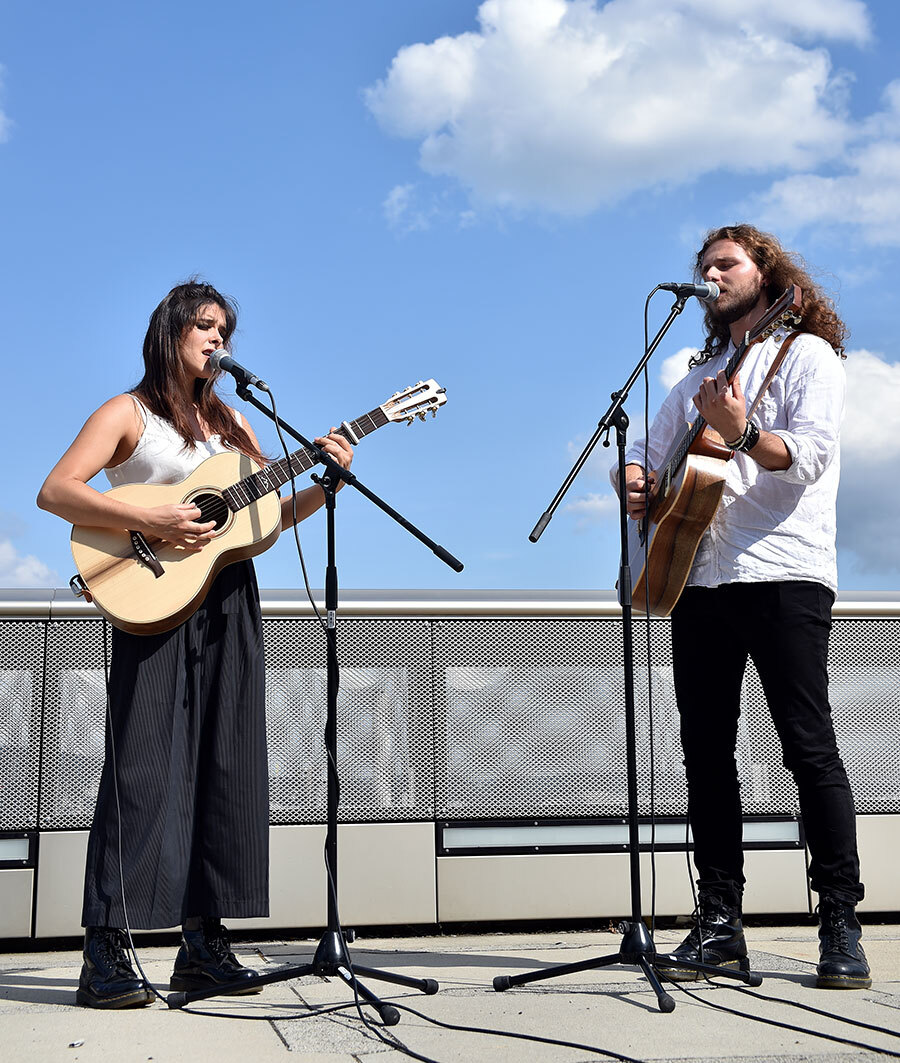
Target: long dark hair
pixel 780 268
pixel 164 384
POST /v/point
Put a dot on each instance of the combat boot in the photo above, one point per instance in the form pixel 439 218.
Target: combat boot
pixel 717 939
pixel 842 962
pixel 205 961
pixel 107 978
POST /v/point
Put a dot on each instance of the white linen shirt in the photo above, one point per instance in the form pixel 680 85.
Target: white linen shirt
pixel 769 525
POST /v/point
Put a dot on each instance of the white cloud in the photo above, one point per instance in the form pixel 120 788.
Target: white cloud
pixel 401 210
pixel 836 19
pixel 866 197
pixel 870 433
pixel 868 508
pixel 23 570
pixel 593 509
pixel 563 105
pixel 675 367
pixel 5 123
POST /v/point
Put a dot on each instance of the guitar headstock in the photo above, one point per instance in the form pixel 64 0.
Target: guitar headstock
pixel 415 401
pixel 783 313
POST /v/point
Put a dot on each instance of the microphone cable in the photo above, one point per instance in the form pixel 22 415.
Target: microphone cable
pixel 131 948
pixel 651 734
pixel 293 482
pixel 786 1025
pixel 332 766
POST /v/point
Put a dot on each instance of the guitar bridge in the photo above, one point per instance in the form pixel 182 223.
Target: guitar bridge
pixel 144 554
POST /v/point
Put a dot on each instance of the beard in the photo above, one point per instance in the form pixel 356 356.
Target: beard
pixel 732 306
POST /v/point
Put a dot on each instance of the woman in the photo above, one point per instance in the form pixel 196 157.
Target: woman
pixel 180 833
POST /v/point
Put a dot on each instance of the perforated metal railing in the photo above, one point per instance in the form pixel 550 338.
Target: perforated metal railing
pixel 21 706
pixel 451 707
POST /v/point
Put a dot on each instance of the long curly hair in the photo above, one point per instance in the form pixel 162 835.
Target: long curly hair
pixel 162 387
pixel 780 268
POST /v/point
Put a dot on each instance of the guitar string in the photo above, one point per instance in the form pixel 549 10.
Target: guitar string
pixel 782 319
pixel 218 507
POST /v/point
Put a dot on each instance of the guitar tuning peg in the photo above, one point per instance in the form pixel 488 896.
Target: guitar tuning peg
pixel 420 414
pixel 409 420
pixel 434 411
pixel 395 395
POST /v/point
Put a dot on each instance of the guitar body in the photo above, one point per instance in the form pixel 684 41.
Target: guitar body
pixel 146 585
pixel 126 589
pixel 675 526
pixel 688 488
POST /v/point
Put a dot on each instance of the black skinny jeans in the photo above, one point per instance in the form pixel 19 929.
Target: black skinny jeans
pixel 783 628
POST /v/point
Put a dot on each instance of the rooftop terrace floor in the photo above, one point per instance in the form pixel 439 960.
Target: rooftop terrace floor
pixel 613 1009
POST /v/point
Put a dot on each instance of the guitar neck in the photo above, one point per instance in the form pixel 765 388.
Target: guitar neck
pixel 688 437
pixel 253 487
pixel 784 311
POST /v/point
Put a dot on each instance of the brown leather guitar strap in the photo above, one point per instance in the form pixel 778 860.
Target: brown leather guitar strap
pixel 773 369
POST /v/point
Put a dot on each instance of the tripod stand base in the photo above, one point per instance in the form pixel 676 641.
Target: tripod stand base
pixel 637 950
pixel 330 960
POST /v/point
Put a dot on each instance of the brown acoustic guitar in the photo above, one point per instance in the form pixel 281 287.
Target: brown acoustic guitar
pixel 147 585
pixel 688 488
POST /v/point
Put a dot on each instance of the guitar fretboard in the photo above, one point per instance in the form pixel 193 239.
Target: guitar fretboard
pixel 779 313
pixel 253 487
pixel 697 425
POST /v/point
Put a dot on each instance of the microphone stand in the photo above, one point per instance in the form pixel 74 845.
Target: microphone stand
pixel 332 957
pixel 637 948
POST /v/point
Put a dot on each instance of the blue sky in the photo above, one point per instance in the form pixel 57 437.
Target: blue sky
pixel 482 194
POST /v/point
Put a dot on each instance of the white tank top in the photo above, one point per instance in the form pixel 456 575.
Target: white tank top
pixel 160 456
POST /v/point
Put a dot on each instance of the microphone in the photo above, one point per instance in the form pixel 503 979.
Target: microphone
pixel 221 360
pixel 706 292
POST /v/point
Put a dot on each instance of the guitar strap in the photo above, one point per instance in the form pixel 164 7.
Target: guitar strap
pixel 773 369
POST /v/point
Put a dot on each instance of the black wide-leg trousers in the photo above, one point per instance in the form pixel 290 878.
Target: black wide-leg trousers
pixel 783 628
pixel 186 770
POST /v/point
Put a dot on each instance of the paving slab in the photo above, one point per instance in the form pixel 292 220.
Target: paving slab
pixel 612 1009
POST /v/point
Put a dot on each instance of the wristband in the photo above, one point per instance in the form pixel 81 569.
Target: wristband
pixel 747 440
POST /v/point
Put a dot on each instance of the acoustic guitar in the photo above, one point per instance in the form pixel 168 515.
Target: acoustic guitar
pixel 146 585
pixel 688 488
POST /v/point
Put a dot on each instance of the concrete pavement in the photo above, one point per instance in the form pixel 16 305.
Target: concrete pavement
pixel 612 1009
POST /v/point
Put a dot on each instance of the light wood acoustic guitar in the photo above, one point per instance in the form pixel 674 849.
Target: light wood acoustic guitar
pixel 688 489
pixel 147 585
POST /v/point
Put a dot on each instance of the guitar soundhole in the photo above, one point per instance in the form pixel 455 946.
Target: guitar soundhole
pixel 212 507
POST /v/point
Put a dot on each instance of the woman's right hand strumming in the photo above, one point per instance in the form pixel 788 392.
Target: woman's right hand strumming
pixel 108 437
pixel 178 525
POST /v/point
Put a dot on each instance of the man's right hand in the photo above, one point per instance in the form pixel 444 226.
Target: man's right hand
pixel 637 484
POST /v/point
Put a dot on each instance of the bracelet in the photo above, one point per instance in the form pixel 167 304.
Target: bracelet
pixel 747 440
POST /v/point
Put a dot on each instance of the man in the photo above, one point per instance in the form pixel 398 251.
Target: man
pixel 762 584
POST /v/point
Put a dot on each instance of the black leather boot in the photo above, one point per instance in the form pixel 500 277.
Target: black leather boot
pixel 107 978
pixel 717 938
pixel 842 962
pixel 205 961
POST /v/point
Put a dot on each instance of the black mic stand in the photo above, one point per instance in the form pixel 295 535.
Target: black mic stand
pixel 637 948
pixel 332 957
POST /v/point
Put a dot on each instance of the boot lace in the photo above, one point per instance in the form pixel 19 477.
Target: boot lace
pixel 110 946
pixel 834 923
pixel 218 942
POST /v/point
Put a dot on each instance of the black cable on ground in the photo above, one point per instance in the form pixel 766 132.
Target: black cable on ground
pixel 390 1039
pixel 815 1011
pixel 787 1025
